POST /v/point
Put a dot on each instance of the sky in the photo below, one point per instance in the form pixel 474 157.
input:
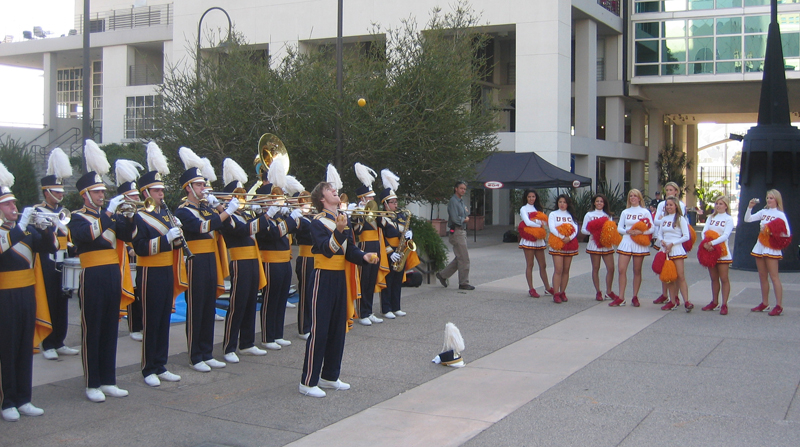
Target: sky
pixel 21 90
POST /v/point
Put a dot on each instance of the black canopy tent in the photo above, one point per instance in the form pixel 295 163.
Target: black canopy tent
pixel 526 169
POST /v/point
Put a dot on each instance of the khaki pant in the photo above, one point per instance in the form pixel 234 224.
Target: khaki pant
pixel 458 240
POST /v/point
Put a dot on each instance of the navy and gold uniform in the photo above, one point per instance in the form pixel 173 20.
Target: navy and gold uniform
pixel 394 230
pixel 335 284
pixel 21 324
pixel 370 240
pixel 57 300
pixel 304 268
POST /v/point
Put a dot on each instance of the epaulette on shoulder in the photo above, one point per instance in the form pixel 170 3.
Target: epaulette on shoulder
pixel 319 215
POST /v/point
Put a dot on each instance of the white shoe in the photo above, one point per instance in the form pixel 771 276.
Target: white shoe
pixel 201 367
pixel 231 357
pixel 254 350
pixel 400 313
pixel 389 315
pixel 272 346
pixel 167 376
pixel 218 317
pixel 305 336
pixel 12 415
pixel 95 395
pixel 29 410
pixel 113 391
pixel 375 319
pixel 66 350
pixel 152 380
pixel 136 336
pixel 214 363
pixel 337 385
pixel 290 305
pixel 50 354
pixel 313 391
pixel 283 342
pixel 365 322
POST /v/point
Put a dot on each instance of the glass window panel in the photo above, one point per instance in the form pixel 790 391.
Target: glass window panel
pixel 756 24
pixel 647 30
pixel 675 5
pixel 129 102
pixel 789 22
pixel 673 69
pixel 646 7
pixel 97 66
pixel 701 49
pixel 647 51
pixel 96 90
pixel 729 47
pixel 756 2
pixel 729 67
pixel 703 27
pixel 757 65
pixel 792 64
pixel 674 28
pixel 673 50
pixel 701 4
pixel 148 101
pixel 139 101
pixel 729 25
pixel 647 70
pixel 729 4
pixel 701 68
pixel 755 46
pixel 791 44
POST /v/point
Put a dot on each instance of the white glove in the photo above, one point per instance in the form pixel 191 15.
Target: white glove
pixel 272 211
pixel 213 201
pixel 409 234
pixel 296 214
pixel 285 210
pixel 395 257
pixel 114 203
pixel 176 222
pixel 173 233
pixel 233 205
pixel 352 206
pixel 256 209
pixel 25 218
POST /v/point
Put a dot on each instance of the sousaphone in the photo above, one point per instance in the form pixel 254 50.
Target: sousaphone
pixel 270 147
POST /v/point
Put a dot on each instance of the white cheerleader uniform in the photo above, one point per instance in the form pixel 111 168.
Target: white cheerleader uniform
pixel 676 233
pixel 539 244
pixel 592 248
pixel 555 220
pixel 660 213
pixel 627 219
pixel 722 224
pixel 765 215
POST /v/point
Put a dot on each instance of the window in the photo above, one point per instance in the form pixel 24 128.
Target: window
pixel 69 93
pixel 140 114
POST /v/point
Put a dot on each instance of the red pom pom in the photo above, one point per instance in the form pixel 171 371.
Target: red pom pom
pixel 778 239
pixel 658 262
pixel 692 239
pixel 709 258
pixel 595 228
pixel 571 245
pixel 533 234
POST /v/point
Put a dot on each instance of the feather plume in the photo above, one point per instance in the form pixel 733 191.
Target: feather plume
pixel 277 174
pixel 156 161
pixel 208 170
pixel 453 339
pixel 6 178
pixel 58 164
pixel 96 159
pixel 127 170
pixel 293 185
pixel 390 180
pixel 190 159
pixel 333 178
pixel 231 171
pixel 365 174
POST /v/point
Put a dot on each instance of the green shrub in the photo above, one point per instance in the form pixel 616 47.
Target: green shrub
pixel 20 163
pixel 429 244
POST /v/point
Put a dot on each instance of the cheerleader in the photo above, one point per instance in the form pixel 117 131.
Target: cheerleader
pixel 671 189
pixel 563 229
pixel 634 222
pixel 596 252
pixel 533 247
pixel 672 233
pixel 721 224
pixel 767 257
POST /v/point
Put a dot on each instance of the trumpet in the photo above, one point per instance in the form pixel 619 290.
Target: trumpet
pixel 44 220
pixel 129 207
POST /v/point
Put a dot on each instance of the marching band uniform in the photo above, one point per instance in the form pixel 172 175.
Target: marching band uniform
pixel 304 268
pixel 105 284
pixel 135 316
pixel 394 229
pixel 160 277
pixel 20 289
pixel 373 278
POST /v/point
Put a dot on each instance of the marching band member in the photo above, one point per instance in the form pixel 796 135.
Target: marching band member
pixel 334 284
pixel 58 168
pixel 105 284
pixel 209 267
pixel 160 271
pixel 211 177
pixel 126 173
pixel 394 229
pixel 20 289
pixel 276 253
pixel 304 265
pixel 247 273
pixel 370 240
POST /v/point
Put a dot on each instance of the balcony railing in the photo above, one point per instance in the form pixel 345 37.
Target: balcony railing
pixel 611 5
pixel 127 18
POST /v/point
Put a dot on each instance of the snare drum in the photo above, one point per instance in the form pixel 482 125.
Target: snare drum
pixel 71 274
pixel 133 273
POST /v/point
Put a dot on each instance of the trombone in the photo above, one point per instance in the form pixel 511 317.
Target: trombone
pixel 368 213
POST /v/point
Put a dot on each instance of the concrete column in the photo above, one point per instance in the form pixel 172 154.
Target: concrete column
pixel 50 65
pixel 637 177
pixel 615 172
pixel 543 90
pixel 615 119
pixel 586 165
pixel 655 140
pixel 691 155
pixel 637 126
pixel 586 78
pixel 612 61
